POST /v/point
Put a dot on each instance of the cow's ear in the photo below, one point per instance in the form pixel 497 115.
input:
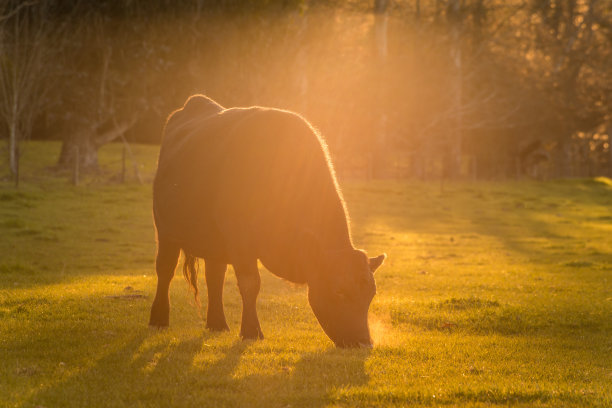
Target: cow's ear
pixel 376 262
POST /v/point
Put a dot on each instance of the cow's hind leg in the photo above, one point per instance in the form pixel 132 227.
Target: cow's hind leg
pixel 215 277
pixel 249 281
pixel 165 264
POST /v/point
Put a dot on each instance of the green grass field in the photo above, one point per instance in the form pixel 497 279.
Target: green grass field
pixel 494 294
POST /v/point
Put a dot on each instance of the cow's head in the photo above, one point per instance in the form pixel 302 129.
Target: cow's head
pixel 340 289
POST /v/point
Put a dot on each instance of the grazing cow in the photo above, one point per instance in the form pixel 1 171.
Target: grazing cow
pixel 241 184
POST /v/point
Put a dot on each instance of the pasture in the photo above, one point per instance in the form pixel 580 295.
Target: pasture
pixel 494 294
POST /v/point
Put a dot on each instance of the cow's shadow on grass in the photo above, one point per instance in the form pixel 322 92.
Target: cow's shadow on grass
pixel 203 370
pixel 316 379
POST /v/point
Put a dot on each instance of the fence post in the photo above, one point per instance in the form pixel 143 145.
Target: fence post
pixel 610 150
pixel 75 170
pixel 17 165
pixel 123 165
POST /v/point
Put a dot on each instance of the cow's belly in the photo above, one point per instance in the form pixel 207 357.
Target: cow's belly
pixel 190 226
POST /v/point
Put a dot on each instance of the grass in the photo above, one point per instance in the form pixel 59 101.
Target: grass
pixel 494 294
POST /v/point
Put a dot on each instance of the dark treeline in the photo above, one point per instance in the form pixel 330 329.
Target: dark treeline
pixel 408 88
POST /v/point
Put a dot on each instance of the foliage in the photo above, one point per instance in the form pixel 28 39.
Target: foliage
pixel 493 295
pixel 477 82
pixel 25 41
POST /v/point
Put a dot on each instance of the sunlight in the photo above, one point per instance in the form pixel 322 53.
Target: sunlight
pixel 468 141
pixel 382 333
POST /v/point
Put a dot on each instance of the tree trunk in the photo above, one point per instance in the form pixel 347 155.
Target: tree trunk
pixel 456 136
pixel 381 19
pixel 380 27
pixel 562 157
pixel 13 142
pixel 610 149
pixel 89 144
pixel 87 153
pixel 302 63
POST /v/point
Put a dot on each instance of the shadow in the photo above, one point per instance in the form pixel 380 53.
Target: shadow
pixel 317 379
pixel 151 367
pixel 503 320
pixel 536 221
pixel 339 369
pixel 155 368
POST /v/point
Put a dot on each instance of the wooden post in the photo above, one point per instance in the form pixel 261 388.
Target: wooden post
pixel 128 150
pixel 610 150
pixel 123 165
pixel 17 165
pixel 75 170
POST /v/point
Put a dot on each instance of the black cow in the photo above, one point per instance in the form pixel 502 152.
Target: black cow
pixel 241 184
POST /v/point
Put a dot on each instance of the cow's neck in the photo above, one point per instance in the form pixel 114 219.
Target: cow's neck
pixel 333 227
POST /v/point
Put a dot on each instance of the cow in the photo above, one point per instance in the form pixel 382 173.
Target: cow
pixel 238 185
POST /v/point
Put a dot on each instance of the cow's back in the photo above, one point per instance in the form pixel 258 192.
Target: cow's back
pixel 248 177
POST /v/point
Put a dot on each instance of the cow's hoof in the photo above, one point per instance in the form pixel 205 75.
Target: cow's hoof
pixel 159 322
pixel 216 327
pixel 160 315
pixel 252 336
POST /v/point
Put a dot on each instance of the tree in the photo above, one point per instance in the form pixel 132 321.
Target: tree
pixel 455 17
pixel 96 114
pixel 570 57
pixel 25 35
pixel 381 23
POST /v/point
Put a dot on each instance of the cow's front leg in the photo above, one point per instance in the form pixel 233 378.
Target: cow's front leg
pixel 165 264
pixel 249 281
pixel 215 277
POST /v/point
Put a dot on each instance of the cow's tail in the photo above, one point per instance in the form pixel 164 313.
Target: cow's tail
pixel 190 272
